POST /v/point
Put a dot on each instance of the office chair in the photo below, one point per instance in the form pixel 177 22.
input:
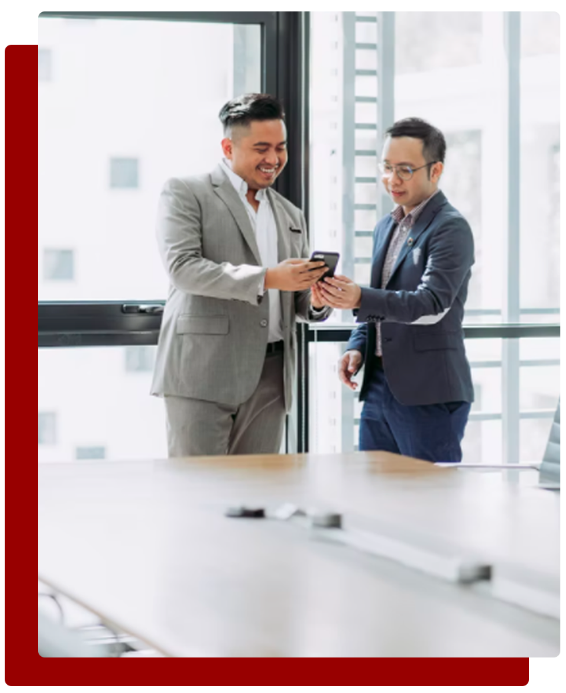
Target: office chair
pixel 548 469
pixel 549 472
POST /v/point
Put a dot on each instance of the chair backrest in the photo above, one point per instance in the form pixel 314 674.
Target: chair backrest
pixel 54 640
pixel 550 467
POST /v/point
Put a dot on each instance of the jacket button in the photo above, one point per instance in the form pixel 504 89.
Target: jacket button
pixel 263 323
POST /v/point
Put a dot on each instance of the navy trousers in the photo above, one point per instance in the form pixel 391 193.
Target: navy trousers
pixel 430 432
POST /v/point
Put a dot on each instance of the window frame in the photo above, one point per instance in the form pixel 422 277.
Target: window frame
pixel 285 73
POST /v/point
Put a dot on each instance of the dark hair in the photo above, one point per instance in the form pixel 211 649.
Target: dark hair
pixel 243 109
pixel 434 144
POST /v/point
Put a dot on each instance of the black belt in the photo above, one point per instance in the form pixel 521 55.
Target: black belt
pixel 272 347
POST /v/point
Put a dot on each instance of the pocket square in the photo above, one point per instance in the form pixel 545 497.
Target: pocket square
pixel 294 229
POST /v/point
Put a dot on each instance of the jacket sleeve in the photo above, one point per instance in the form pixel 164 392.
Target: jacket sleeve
pixel 179 237
pixel 358 339
pixel 303 309
pixel 450 257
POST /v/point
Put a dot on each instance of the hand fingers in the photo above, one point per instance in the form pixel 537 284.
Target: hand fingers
pixel 343 373
pixel 345 377
pixel 312 278
pixel 329 290
pixel 337 283
pixel 310 266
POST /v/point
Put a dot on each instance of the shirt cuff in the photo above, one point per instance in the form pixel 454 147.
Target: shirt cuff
pixel 317 311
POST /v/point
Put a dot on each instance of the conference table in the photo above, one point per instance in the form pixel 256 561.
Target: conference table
pixel 356 554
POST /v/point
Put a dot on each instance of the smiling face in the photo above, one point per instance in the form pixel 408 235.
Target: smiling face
pixel 408 151
pixel 258 151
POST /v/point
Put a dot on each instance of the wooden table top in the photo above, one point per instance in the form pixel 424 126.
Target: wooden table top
pixel 146 546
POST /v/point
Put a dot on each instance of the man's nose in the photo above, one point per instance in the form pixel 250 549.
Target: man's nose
pixel 272 158
pixel 395 177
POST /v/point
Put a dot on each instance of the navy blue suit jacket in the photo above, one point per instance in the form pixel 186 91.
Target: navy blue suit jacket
pixel 421 309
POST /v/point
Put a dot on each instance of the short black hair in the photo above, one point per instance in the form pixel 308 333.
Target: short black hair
pixel 244 109
pixel 434 143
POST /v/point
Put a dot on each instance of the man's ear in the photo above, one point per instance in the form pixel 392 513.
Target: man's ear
pixel 436 171
pixel 227 147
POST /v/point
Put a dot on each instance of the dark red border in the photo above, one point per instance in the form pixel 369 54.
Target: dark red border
pixel 23 665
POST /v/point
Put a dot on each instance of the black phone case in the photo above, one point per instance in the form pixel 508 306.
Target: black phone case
pixel 330 259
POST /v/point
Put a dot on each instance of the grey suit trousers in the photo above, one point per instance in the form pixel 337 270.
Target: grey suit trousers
pixel 198 427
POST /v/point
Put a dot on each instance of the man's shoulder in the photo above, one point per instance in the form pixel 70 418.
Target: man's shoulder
pixel 187 186
pixel 447 213
pixel 190 181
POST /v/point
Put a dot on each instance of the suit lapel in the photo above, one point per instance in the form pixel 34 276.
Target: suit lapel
pixel 226 192
pixel 422 223
pixel 282 223
pixel 380 252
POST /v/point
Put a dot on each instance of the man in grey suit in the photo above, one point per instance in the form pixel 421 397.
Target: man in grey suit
pixel 417 387
pixel 236 254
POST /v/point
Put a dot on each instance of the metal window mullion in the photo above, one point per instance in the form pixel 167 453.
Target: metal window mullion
pixel 385 93
pixel 511 308
pixel 348 192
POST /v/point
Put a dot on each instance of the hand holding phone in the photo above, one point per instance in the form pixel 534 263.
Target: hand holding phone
pixel 330 259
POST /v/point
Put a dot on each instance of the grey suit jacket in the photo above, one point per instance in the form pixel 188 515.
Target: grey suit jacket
pixel 421 309
pixel 214 331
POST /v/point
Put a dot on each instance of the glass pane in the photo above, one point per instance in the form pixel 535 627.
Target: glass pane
pixel 335 410
pixel 94 405
pixel 114 125
pixel 540 162
pixel 454 75
pixel 534 438
pixel 428 41
pixel 539 393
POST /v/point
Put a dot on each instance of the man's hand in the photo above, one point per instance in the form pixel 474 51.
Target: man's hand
pixel 317 299
pixel 294 275
pixel 349 365
pixel 341 292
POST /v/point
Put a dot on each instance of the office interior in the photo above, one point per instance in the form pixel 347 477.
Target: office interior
pixel 478 544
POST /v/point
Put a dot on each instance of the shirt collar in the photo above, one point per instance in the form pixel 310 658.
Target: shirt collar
pixel 411 218
pixel 240 185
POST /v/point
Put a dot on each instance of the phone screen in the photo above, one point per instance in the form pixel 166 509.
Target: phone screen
pixel 330 259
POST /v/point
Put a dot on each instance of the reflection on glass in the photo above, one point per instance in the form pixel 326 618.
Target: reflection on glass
pixel 540 161
pixel 93 404
pixel 427 41
pixel 335 410
pixel 534 438
pixel 114 125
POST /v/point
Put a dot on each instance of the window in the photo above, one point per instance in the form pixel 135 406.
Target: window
pixel 58 265
pixel 43 65
pixel 97 452
pixel 452 69
pixel 47 428
pixel 428 41
pixel 122 121
pixel 120 124
pixel 97 401
pixel 139 359
pixel 539 164
pixel 123 173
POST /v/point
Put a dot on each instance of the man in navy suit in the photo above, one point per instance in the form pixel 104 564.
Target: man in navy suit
pixel 417 387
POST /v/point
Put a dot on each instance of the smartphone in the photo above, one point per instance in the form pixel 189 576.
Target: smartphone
pixel 330 260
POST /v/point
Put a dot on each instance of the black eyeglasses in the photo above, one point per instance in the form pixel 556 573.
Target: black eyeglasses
pixel 404 172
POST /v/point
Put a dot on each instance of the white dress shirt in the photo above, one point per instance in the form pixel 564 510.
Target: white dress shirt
pixel 263 224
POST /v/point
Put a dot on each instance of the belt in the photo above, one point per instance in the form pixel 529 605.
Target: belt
pixel 272 347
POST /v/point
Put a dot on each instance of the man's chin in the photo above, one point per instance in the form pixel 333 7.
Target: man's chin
pixel 262 184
